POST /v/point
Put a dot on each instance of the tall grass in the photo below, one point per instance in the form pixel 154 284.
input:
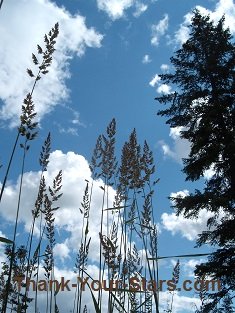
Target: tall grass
pixel 128 233
pixel 131 219
pixel 27 130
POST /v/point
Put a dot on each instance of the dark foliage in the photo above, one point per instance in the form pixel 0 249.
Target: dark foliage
pixel 203 105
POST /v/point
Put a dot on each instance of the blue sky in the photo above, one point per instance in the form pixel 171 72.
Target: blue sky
pixel 109 55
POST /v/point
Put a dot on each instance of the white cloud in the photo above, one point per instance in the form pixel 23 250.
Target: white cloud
pixel 68 217
pixel 190 265
pixel 61 250
pixel 161 88
pixel 181 194
pixel 208 174
pixel 65 299
pixel 180 148
pixel 115 8
pixel 181 303
pixel 146 59
pixel 20 32
pixel 159 30
pixel 175 132
pixel 76 118
pixel 71 126
pixel 2 248
pixel 140 8
pixel 188 228
pixel 182 34
pixel 69 130
pixel 154 81
pixel 166 149
pixel 164 89
pixel 223 7
pixel 165 67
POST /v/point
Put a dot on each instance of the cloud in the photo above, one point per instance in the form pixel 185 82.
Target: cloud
pixel 70 126
pixel 189 266
pixel 181 303
pixel 188 228
pixel 154 81
pixel 68 130
pixel 165 67
pixel 146 59
pixel 161 88
pixel 140 8
pixel 208 174
pixel 65 299
pixel 68 217
pixel 20 32
pixel 158 30
pixel 2 248
pixel 180 148
pixel 223 7
pixel 182 34
pixel 61 250
pixel 116 8
pixel 164 89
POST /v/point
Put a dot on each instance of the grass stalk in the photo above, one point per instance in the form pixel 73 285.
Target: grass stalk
pixel 25 149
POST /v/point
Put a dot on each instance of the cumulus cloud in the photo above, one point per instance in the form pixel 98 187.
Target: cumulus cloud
pixel 68 217
pixel 180 148
pixel 155 80
pixel 164 89
pixel 65 299
pixel 180 302
pixel 223 7
pixel 68 220
pixel 146 59
pixel 158 30
pixel 161 88
pixel 188 228
pixel 61 250
pixel 182 34
pixel 116 9
pixel 181 194
pixel 20 32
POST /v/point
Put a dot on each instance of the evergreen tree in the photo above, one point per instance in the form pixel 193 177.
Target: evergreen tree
pixel 203 105
pixel 227 305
